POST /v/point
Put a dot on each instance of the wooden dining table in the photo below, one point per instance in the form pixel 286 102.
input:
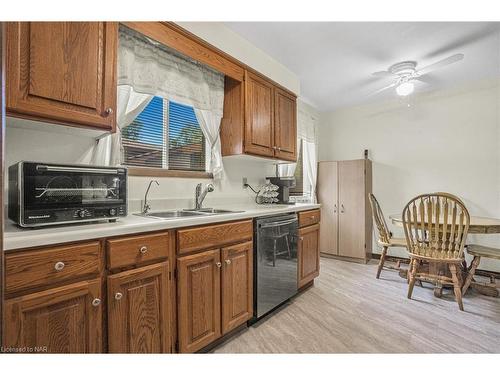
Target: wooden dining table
pixel 478 225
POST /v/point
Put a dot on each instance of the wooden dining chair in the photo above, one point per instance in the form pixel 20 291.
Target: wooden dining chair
pixel 436 227
pixel 385 238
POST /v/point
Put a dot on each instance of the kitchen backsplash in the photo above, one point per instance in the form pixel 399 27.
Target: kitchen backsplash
pixel 27 140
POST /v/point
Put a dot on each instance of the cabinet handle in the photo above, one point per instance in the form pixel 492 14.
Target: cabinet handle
pixel 335 208
pixel 96 302
pixel 143 249
pixel 342 208
pixel 118 296
pixel 313 217
pixel 228 261
pixel 279 148
pixel 59 266
pixel 108 111
pixel 301 238
pixel 218 264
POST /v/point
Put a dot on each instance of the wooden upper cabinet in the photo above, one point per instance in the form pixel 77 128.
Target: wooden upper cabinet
pixel 308 254
pixel 285 125
pixel 63 72
pixel 260 119
pixel 237 285
pixel 259 116
pixel 139 310
pixel 67 319
pixel 198 291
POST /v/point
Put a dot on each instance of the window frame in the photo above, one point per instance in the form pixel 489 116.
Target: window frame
pixel 164 171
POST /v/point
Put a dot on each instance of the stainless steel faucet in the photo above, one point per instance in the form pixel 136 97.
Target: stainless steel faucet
pixel 199 195
pixel 146 207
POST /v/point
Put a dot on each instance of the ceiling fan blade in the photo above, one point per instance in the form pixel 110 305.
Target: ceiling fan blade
pixel 427 79
pixel 383 89
pixel 441 63
pixel 383 73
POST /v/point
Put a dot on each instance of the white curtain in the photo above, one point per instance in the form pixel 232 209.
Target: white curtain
pixel 210 125
pixel 151 68
pixel 109 150
pixel 310 166
pixel 287 170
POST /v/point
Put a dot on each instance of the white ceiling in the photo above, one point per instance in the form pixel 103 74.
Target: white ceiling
pixel 335 60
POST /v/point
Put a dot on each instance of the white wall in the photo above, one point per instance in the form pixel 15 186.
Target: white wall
pixel 235 45
pixel 445 141
pixel 55 143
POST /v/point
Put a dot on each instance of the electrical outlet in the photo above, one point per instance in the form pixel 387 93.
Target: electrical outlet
pixel 245 182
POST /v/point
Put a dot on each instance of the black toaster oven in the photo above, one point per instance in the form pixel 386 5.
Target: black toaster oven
pixel 43 194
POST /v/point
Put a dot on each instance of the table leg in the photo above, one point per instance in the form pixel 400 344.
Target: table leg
pixel 470 273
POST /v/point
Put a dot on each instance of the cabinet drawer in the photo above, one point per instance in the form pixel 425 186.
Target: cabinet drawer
pixel 211 236
pixel 128 251
pixel 309 218
pixel 43 267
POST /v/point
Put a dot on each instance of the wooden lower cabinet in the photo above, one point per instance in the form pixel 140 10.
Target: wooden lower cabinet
pixel 237 285
pixel 308 254
pixel 215 294
pixel 65 319
pixel 140 311
pixel 198 285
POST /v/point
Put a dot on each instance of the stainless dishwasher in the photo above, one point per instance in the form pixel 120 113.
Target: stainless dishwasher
pixel 275 262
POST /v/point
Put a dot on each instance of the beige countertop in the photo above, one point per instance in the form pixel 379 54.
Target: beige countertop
pixel 21 238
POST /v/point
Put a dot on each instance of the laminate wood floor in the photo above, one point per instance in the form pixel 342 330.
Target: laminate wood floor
pixel 349 311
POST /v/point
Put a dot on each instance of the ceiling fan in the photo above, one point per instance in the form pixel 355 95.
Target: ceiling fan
pixel 405 72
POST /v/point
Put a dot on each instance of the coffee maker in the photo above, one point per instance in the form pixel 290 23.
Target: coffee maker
pixel 284 185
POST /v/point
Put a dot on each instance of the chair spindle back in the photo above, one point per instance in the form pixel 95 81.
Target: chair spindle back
pixel 378 217
pixel 436 226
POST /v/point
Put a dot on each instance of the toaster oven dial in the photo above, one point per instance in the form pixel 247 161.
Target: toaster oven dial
pixel 83 213
pixel 112 211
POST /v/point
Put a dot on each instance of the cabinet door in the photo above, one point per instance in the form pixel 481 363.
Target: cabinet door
pixel 352 208
pixel 328 197
pixel 63 71
pixel 237 285
pixel 67 319
pixel 259 116
pixel 285 125
pixel 139 310
pixel 198 291
pixel 308 257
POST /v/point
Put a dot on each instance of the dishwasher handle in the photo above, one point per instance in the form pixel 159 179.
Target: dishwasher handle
pixel 276 224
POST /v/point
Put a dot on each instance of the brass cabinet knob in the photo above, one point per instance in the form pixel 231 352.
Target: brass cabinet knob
pixel 118 296
pixel 108 111
pixel 96 302
pixel 59 266
pixel 228 261
pixel 143 249
pixel 218 264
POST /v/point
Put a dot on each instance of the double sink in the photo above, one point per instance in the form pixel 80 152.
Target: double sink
pixel 175 214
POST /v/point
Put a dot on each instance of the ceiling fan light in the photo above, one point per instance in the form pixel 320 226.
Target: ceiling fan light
pixel 404 89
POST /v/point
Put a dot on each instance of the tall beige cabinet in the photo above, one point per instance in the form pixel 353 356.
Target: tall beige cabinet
pixel 346 224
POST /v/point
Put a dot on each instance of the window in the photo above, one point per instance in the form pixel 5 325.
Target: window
pixel 165 135
pixel 298 190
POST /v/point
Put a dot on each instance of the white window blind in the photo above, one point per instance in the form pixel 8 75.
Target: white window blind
pixel 165 135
